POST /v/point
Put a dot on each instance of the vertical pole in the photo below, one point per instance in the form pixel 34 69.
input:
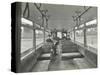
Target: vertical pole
pixel 62 34
pixel 75 30
pixel 34 37
pixel 53 34
pixel 85 39
pixel 74 35
pixel 44 34
pixel 56 34
pixel 44 24
pixel 66 35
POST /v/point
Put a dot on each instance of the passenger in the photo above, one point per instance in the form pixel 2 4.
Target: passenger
pixel 68 37
pixel 56 43
pixel 47 46
pixel 48 36
pixel 53 46
pixel 50 42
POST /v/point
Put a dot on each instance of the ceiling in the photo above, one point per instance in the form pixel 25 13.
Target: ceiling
pixel 60 16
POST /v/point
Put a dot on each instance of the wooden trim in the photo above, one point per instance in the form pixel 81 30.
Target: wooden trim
pixel 16 37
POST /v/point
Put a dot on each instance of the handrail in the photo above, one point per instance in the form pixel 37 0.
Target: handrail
pixel 43 13
pixel 26 8
pixel 83 13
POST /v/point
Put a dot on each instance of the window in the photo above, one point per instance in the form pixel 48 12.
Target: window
pixel 72 35
pixel 81 26
pixel 79 36
pixel 26 39
pixel 91 22
pixel 47 35
pixel 39 37
pixel 64 34
pixel 92 37
pixel 91 34
pixel 76 27
pixel 59 34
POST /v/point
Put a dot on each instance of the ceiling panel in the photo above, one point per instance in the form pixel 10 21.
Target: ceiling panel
pixel 60 16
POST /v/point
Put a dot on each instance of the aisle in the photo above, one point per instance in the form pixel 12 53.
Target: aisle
pixel 41 66
pixel 58 64
pixel 62 65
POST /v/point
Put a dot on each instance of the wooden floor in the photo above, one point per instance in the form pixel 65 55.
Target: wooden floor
pixel 58 63
pixel 70 64
pixel 41 66
pixel 62 65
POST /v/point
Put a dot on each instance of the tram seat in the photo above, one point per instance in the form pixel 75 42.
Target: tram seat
pixel 29 61
pixel 46 48
pixel 69 46
pixel 69 50
pixel 82 63
pixel 45 56
pixel 41 66
pixel 89 55
pixel 65 56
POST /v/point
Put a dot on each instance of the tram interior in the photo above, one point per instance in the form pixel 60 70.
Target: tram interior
pixel 74 27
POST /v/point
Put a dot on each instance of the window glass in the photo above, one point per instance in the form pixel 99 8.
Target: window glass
pixel 59 34
pixel 46 35
pixel 39 37
pixel 76 27
pixel 92 37
pixel 91 22
pixel 26 39
pixel 79 36
pixel 81 26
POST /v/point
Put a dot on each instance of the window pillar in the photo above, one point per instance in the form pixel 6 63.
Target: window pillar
pixel 34 37
pixel 44 25
pixel 74 35
pixel 85 39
